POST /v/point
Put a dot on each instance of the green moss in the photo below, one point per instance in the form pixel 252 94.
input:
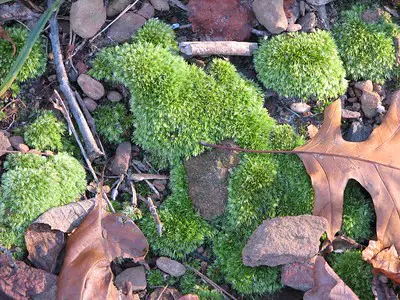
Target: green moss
pixel 355 272
pixel 184 230
pixel 46 132
pixel 301 65
pixel 191 284
pixel 358 212
pixel 367 50
pixel 157 33
pixel 155 278
pixel 112 122
pixel 33 184
pixel 35 64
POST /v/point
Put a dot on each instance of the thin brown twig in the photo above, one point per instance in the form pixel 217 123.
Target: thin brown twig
pixel 162 292
pixel 153 210
pixel 151 186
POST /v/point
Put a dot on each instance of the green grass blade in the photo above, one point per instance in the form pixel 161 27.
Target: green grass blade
pixel 24 53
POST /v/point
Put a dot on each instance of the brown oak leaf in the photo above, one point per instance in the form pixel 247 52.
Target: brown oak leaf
pixel 375 164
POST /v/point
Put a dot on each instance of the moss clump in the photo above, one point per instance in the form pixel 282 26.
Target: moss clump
pixel 358 212
pixel 190 284
pixel 156 33
pixel 367 49
pixel 301 65
pixel 45 133
pixel 112 122
pixel 33 184
pixel 355 272
pixel 155 278
pixel 184 230
pixel 35 64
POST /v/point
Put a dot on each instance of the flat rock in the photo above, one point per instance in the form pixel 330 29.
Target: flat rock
pixel 300 107
pixel 146 11
pixel 369 103
pixel 136 276
pixel 358 132
pixel 348 114
pixel 91 87
pixel 171 267
pixel 161 5
pixel 123 29
pixel 87 17
pixel 284 240
pixel 318 2
pixel 121 160
pixel 308 21
pixel 117 6
pixel 208 180
pixel 365 86
pixel 90 104
pixel 271 15
pixel 114 96
pixel 298 275
pixel 18 143
pixel 4 143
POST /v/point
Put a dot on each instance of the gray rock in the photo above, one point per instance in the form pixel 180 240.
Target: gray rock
pixel 16 140
pixel 114 96
pixel 91 87
pixel 365 86
pixel 171 267
pixel 348 114
pixel 356 106
pixel 351 92
pixel 208 180
pixel 136 276
pixel 161 5
pixel 271 15
pixel 369 103
pixel 122 158
pixel 358 132
pixel 284 240
pixel 352 100
pixel 293 27
pixel 322 20
pixel 4 143
pixel 90 104
pixel 300 107
pixel 308 22
pixel 318 2
pixel 87 17
pixel 293 12
pixel 146 11
pixel 123 29
pixel 117 6
pixel 298 275
pixel 302 7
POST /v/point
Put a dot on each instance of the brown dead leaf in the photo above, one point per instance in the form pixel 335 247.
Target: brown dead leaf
pixel 165 293
pixel 327 284
pixel 24 282
pixel 375 164
pixel 384 260
pixel 101 237
pixel 189 297
pixel 4 36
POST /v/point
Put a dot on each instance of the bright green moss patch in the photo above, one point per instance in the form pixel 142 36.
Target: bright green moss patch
pixel 301 65
pixel 33 184
pixel 157 33
pixel 367 49
pixel 35 64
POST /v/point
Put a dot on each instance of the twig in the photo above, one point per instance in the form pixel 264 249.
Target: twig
pixel 210 282
pixel 113 21
pixel 179 4
pixel 260 32
pixel 141 176
pixel 153 210
pixel 134 195
pixel 151 186
pixel 218 48
pixel 90 143
pixel 162 292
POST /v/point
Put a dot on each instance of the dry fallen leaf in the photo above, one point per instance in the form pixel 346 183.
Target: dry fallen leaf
pixel 99 239
pixel 4 36
pixel 375 164
pixel 327 284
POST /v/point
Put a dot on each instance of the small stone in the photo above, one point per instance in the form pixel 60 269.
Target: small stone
pixel 348 114
pixel 87 17
pixel 117 6
pixel 4 143
pixel 125 27
pixel 351 92
pixel 293 27
pixel 365 86
pixel 146 11
pixel 90 104
pixel 378 89
pixel 161 5
pixel 308 22
pixel 300 107
pixel 114 96
pixel 356 106
pixel 352 100
pixel 122 158
pixel 358 92
pixel 16 140
pixel 318 2
pixel 298 275
pixel 91 87
pixel 136 276
pixel 171 267
pixel 369 103
pixel 284 240
pixel 271 15
pixel 358 132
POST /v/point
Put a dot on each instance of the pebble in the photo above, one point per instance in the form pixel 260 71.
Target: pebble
pixel 271 15
pixel 18 143
pixel 293 27
pixel 358 92
pixel 91 87
pixel 369 103
pixel 308 22
pixel 356 106
pixel 146 11
pixel 348 114
pixel 123 29
pixel 300 107
pixel 87 17
pixel 136 276
pixel 352 100
pixel 365 86
pixel 171 267
pixel 90 104
pixel 161 5
pixel 117 6
pixel 114 96
pixel 4 143
pixel 122 158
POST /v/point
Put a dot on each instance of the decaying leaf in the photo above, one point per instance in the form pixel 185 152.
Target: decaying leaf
pixel 327 284
pixel 375 164
pixel 4 36
pixel 384 260
pixel 165 293
pixel 101 237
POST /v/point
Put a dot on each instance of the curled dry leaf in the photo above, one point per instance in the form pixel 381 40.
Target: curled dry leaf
pixel 384 260
pixel 24 282
pixel 375 164
pixel 327 284
pixel 4 36
pixel 101 237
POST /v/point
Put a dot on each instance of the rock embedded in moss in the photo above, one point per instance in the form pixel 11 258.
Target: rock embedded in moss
pixel 91 87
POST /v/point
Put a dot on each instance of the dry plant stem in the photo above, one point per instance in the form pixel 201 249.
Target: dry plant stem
pixel 90 143
pixel 141 176
pixel 113 21
pixel 217 48
pixel 153 188
pixel 134 195
pixel 179 4
pixel 162 292
pixel 153 210
pixel 210 282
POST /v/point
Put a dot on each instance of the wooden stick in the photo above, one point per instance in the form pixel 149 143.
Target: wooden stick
pixel 90 143
pixel 218 48
pixel 179 4
pixel 141 176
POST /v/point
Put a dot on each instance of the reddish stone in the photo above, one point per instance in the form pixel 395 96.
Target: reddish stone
pixel 298 275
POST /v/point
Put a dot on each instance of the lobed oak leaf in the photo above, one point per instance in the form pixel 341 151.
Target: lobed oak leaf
pixel 375 164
